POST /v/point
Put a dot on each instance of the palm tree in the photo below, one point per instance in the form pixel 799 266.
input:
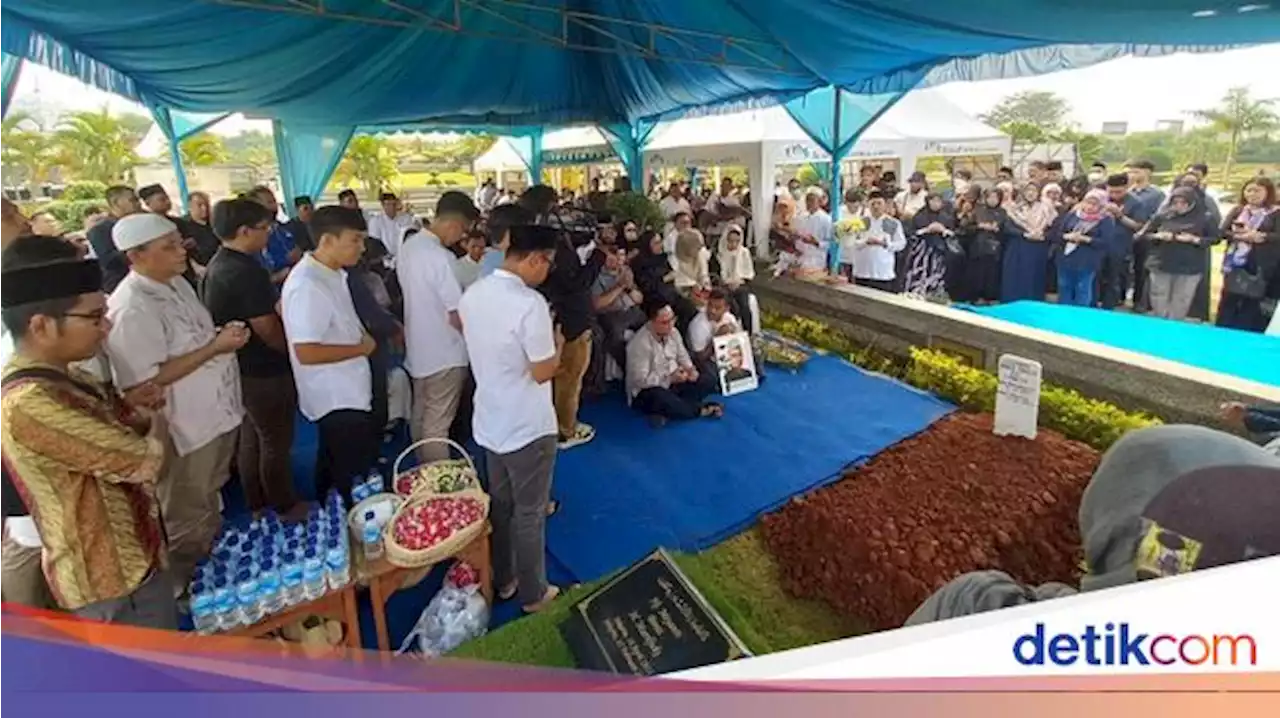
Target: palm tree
pixel 202 150
pixel 29 155
pixel 13 126
pixel 97 146
pixel 371 161
pixel 1239 116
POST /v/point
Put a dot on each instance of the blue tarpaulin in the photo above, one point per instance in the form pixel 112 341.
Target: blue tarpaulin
pixel 553 62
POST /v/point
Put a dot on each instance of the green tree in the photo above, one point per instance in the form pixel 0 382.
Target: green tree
pixel 33 152
pixel 1022 114
pixel 97 145
pixel 1238 116
pixel 203 149
pixel 371 161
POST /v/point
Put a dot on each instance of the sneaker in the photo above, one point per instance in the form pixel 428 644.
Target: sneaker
pixel 582 433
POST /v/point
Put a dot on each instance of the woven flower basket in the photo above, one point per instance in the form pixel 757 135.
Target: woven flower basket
pixel 408 558
pixel 438 477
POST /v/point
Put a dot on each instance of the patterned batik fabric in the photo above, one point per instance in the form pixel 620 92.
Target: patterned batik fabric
pixel 88 479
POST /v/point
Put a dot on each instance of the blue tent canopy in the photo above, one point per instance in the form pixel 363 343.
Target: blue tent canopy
pixel 553 62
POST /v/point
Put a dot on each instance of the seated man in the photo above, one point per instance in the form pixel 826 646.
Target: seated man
pixel 617 303
pixel 713 321
pixel 662 382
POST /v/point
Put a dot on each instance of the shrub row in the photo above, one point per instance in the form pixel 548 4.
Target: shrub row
pixel 1096 423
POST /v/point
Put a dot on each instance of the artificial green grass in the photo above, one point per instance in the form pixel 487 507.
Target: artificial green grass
pixel 738 578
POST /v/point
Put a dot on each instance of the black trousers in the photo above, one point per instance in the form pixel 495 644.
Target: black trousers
pixel 682 401
pixel 884 285
pixel 348 448
pixel 1113 280
pixel 1141 248
pixel 460 430
pixel 741 304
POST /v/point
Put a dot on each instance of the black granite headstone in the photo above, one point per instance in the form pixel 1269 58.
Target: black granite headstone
pixel 647 620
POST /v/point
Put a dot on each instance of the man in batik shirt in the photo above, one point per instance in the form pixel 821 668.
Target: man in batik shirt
pixel 84 466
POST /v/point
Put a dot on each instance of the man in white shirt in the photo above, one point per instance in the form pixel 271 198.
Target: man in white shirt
pixel 390 226
pixel 714 320
pixel 435 355
pixel 515 353
pixel 161 334
pixel 872 251
pixel 467 267
pixel 815 230
pixel 913 198
pixel 329 350
pixel 674 203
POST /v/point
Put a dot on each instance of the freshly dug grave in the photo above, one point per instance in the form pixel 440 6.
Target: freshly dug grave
pixel 953 499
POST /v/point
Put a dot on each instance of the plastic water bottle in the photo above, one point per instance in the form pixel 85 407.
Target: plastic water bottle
pixel 337 566
pixel 270 587
pixel 224 601
pixel 291 579
pixel 203 611
pixel 373 480
pixel 247 596
pixel 313 574
pixel 371 537
pixel 359 490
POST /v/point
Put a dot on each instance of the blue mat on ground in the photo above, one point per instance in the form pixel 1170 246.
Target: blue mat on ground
pixel 1243 354
pixel 691 485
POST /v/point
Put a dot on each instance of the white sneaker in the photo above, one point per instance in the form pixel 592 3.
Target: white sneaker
pixel 582 433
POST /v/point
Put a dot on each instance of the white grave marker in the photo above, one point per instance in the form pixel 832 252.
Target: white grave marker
pixel 1017 397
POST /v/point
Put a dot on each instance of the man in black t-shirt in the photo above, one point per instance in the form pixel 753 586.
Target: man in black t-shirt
pixel 121 201
pixel 238 288
pixel 302 209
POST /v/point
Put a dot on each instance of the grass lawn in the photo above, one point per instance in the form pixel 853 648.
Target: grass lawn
pixel 738 577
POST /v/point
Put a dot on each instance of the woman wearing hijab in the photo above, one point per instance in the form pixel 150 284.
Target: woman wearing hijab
pixel 1164 501
pixel 1200 304
pixel 691 263
pixel 927 252
pixel 966 228
pixel 1180 237
pixel 737 269
pixel 1251 264
pixel 982 270
pixel 655 277
pixel 1026 254
pixel 1086 233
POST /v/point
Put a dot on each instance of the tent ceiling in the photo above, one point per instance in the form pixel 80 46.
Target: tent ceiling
pixel 555 62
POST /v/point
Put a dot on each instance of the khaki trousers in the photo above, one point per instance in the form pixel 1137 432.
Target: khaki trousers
pixel 23 576
pixel 566 386
pixel 190 504
pixel 435 402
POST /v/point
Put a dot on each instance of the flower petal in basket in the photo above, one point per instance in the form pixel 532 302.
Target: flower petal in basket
pixel 429 528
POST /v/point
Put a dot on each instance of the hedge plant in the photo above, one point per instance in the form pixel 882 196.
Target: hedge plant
pixel 1096 423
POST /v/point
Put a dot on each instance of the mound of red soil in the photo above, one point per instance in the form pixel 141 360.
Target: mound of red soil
pixel 953 499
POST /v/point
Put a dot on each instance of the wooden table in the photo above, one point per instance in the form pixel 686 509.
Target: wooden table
pixel 385 579
pixel 337 605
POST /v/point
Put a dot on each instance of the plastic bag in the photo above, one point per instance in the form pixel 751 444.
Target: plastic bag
pixel 455 615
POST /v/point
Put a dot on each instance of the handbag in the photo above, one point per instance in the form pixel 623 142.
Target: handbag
pixel 1244 283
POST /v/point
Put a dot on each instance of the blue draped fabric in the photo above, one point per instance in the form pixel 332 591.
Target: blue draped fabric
pixel 628 140
pixel 834 119
pixel 600 61
pixel 12 70
pixel 308 155
pixel 176 127
pixel 528 145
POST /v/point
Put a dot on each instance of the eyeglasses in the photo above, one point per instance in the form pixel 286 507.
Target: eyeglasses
pixel 95 317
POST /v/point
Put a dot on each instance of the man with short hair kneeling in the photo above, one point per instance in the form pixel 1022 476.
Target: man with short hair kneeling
pixel 662 382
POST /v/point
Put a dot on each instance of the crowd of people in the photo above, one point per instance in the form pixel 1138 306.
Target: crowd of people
pixel 1107 240
pixel 162 355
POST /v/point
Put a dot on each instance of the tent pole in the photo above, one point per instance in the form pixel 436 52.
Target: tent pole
pixel 837 158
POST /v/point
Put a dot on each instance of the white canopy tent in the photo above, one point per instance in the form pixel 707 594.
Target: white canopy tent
pixel 583 144
pixel 921 124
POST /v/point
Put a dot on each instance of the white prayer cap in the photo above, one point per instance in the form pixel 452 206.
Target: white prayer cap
pixel 136 230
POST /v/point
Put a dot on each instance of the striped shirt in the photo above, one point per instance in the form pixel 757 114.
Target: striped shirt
pixel 88 480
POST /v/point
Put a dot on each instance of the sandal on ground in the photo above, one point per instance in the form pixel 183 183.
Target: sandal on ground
pixel 553 592
pixel 711 410
pixel 508 592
